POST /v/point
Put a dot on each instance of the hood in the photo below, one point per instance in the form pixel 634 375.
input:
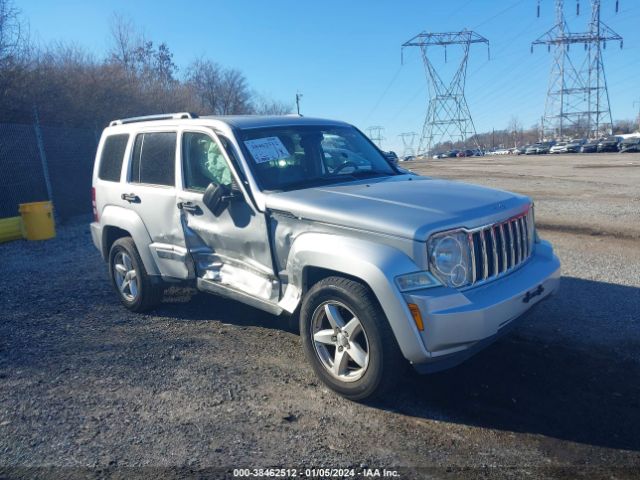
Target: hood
pixel 407 206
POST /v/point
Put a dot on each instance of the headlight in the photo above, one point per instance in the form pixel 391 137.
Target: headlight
pixel 416 281
pixel 450 258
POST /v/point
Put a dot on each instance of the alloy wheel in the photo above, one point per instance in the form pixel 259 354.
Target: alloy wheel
pixel 340 341
pixel 126 276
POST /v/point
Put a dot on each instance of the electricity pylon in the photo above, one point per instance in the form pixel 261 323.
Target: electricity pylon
pixel 577 97
pixel 375 134
pixel 448 116
pixel 408 142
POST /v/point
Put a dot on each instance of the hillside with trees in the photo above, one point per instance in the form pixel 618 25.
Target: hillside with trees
pixel 68 85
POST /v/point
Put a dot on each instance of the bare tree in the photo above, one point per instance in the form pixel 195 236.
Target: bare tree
pixel 11 33
pixel 13 60
pixel 267 106
pixel 234 93
pixel 125 39
pixel 139 56
pixel 204 77
pixel 219 91
pixel 624 126
pixel 515 129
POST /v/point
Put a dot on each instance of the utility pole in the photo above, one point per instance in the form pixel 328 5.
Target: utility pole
pixel 577 97
pixel 375 134
pixel 408 142
pixel 298 97
pixel 448 117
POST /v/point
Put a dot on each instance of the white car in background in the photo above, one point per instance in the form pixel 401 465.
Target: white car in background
pixel 560 147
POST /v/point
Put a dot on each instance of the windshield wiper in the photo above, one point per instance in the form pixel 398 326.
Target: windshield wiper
pixel 371 173
pixel 314 182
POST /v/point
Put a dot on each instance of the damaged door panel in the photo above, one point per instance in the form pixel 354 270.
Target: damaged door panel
pixel 230 250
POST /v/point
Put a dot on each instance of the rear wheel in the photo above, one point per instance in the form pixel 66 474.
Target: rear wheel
pixel 347 339
pixel 134 286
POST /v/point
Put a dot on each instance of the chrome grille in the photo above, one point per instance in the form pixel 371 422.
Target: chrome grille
pixel 499 248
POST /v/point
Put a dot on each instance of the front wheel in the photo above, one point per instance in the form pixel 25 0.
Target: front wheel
pixel 348 340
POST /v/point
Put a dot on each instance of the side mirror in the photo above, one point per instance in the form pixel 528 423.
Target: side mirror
pixel 216 198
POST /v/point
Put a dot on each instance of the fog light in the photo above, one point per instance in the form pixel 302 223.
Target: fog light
pixel 417 316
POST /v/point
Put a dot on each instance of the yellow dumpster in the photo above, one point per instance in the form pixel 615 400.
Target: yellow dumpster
pixel 37 218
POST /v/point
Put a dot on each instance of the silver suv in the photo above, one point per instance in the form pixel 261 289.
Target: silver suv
pixel 307 218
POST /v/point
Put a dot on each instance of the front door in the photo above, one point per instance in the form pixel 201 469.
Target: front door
pixel 231 251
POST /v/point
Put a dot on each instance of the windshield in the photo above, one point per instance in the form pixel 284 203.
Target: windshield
pixel 294 157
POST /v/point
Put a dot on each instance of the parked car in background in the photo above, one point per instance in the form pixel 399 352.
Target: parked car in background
pixel 589 147
pixel 452 153
pixel 539 148
pixel 408 158
pixel 521 150
pixel 574 146
pixel 465 153
pixel 560 147
pixel 609 144
pixel 377 267
pixel 545 147
pixel 630 145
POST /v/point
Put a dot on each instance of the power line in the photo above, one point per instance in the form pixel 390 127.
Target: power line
pixel 499 13
pixel 384 93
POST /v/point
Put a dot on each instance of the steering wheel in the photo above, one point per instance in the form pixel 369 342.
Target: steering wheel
pixel 343 165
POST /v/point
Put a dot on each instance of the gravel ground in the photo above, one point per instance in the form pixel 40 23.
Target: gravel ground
pixel 204 382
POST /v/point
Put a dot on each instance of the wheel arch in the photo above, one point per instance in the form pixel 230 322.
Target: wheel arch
pixel 118 222
pixel 312 274
pixel 314 256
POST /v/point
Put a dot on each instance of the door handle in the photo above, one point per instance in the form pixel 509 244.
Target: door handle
pixel 189 207
pixel 130 197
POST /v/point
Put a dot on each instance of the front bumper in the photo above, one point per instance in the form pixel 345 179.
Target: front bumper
pixel 458 324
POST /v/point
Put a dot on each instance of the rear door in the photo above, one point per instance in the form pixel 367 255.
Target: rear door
pixel 151 192
pixel 231 251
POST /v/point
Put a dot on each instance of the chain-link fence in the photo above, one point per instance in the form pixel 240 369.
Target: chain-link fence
pixel 40 163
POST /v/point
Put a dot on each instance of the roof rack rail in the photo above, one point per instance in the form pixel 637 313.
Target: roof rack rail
pixel 146 118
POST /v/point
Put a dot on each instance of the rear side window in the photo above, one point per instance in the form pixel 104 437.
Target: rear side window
pixel 153 159
pixel 112 156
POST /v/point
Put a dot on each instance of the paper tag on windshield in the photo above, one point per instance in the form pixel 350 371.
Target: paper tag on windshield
pixel 266 149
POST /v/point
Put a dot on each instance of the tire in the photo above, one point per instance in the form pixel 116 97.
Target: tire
pixel 141 293
pixel 332 301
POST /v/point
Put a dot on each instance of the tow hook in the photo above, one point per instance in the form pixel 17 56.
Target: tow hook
pixel 534 293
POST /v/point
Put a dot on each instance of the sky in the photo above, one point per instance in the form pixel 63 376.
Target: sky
pixel 344 56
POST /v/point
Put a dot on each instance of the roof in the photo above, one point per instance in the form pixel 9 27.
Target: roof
pixel 241 122
pixel 262 121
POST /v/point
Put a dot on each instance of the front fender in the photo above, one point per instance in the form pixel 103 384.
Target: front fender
pixel 375 264
pixel 113 215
